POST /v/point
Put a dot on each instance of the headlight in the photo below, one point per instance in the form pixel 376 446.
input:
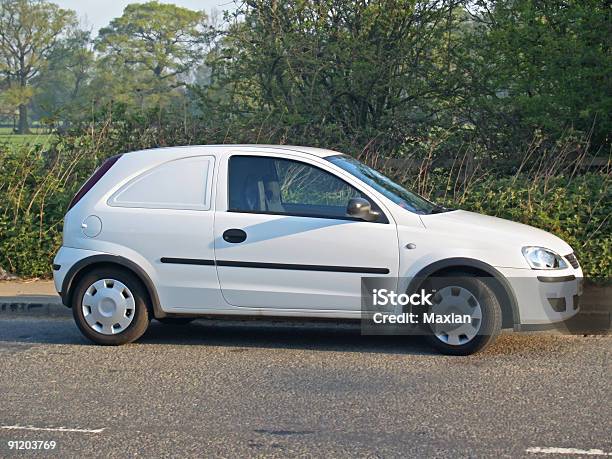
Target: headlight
pixel 541 258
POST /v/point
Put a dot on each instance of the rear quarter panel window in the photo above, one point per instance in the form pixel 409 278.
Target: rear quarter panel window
pixel 179 184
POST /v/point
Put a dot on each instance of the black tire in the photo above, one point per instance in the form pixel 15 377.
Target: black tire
pixel 490 324
pixel 140 321
pixel 176 320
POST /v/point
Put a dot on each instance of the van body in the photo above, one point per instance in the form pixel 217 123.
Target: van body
pixel 261 230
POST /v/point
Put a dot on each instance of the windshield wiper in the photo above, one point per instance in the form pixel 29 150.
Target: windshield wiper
pixel 438 209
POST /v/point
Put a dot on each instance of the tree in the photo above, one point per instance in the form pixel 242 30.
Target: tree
pixel 154 45
pixel 10 100
pixel 29 30
pixel 337 71
pixel 542 66
pixel 63 86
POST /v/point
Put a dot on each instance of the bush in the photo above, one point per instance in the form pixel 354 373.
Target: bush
pixel 36 186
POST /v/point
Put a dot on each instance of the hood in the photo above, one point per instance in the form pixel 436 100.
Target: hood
pixel 493 231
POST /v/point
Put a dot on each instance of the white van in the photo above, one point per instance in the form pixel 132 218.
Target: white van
pixel 282 231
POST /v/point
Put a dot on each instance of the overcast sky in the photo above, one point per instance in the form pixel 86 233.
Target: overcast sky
pixel 98 13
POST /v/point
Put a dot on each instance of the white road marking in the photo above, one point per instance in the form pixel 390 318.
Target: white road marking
pixel 554 450
pixel 52 429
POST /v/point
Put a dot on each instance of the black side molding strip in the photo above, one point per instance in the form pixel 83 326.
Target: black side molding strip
pixel 571 277
pixel 294 267
pixel 187 261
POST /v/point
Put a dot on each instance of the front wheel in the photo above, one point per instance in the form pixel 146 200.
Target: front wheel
pixel 110 306
pixel 473 308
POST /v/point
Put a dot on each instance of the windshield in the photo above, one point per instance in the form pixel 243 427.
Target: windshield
pixel 384 185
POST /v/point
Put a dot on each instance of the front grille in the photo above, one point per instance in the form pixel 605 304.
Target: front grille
pixel 572 260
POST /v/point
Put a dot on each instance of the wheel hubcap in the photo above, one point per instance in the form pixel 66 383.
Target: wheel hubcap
pixel 456 300
pixel 108 306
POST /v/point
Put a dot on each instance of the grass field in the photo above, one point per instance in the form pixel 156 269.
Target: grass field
pixel 37 136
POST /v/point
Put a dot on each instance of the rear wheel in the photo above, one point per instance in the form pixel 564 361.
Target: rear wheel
pixel 471 301
pixel 110 306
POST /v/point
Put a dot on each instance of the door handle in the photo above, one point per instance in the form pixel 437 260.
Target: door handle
pixel 234 235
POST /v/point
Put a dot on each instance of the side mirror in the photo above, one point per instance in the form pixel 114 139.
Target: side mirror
pixel 361 208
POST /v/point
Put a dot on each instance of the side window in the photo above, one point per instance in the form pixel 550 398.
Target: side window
pixel 265 184
pixel 179 184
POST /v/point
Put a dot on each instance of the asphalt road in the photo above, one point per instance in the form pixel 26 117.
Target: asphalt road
pixel 245 390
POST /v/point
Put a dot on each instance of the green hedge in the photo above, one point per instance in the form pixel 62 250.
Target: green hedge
pixel 36 186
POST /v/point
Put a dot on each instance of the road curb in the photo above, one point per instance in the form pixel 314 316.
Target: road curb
pixel 33 309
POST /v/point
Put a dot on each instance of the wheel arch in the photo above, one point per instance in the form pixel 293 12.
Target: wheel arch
pixel 82 267
pixel 502 288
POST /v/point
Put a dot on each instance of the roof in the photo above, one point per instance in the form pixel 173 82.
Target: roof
pixel 319 152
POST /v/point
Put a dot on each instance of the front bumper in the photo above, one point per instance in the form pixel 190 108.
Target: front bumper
pixel 544 298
